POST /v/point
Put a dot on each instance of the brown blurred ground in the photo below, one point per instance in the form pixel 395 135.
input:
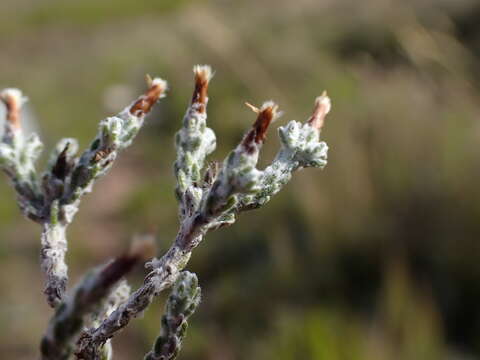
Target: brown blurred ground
pixel 376 257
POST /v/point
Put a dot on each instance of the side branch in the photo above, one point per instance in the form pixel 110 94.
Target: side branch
pixel 181 304
pixel 210 215
pixel 68 321
pixel 194 142
pixel 55 199
pixel 300 148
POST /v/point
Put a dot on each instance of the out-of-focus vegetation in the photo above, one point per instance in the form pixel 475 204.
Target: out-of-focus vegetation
pixel 376 257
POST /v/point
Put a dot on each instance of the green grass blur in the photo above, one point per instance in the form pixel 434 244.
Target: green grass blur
pixel 376 257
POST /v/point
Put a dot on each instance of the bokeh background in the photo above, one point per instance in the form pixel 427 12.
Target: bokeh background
pixel 376 257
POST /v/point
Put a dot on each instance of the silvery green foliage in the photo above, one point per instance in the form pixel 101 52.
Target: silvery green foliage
pixel 211 196
pixel 53 198
pixel 300 148
pixel 181 304
pixel 239 175
pixel 18 154
pixel 115 134
pixel 194 142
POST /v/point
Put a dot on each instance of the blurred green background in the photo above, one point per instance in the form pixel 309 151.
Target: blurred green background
pixel 376 257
